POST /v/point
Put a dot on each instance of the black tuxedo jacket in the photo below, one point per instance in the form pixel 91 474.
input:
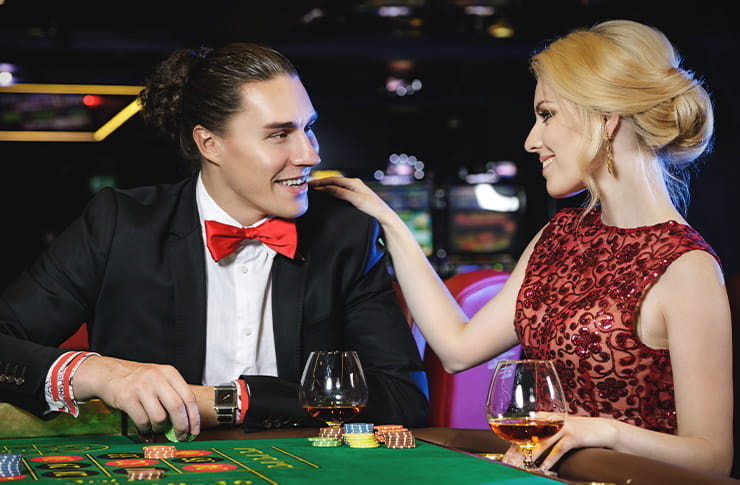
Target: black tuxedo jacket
pixel 132 267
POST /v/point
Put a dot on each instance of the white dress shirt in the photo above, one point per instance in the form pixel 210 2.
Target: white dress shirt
pixel 239 337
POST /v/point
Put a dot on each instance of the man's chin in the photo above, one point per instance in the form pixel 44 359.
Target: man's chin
pixel 293 214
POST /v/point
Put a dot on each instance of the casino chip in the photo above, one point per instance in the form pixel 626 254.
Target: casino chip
pixel 159 452
pixel 170 435
pixel 11 465
pixel 324 441
pixel 145 474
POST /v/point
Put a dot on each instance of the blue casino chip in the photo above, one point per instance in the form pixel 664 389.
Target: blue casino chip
pixel 11 465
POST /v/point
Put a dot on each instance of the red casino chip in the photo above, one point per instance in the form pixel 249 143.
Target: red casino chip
pixel 209 467
pixel 399 439
pixel 159 452
pixel 145 474
pixel 57 458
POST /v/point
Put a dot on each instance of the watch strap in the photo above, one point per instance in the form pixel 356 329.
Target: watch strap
pixel 225 403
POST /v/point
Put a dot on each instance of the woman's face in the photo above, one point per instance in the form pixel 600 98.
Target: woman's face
pixel 557 139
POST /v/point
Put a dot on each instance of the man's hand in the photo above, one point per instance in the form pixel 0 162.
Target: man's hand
pixel 152 395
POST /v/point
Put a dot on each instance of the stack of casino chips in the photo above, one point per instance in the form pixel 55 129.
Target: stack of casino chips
pixel 365 435
pixel 324 441
pixel 11 465
pixel 332 432
pixel 395 436
pixel 399 439
pixel 358 428
pixel 159 452
pixel 360 435
pixel 380 429
pixel 145 474
pixel 361 440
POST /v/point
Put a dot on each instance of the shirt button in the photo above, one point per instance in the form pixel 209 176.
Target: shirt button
pixel 244 269
pixel 247 332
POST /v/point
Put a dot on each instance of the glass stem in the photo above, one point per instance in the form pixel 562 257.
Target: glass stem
pixel 528 463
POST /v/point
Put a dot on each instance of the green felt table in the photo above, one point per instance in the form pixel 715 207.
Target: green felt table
pixel 106 460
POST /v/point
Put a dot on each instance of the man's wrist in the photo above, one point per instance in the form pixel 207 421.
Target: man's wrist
pixel 58 388
pixel 226 403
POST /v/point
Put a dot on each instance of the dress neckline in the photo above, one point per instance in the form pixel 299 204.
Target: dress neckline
pixel 595 219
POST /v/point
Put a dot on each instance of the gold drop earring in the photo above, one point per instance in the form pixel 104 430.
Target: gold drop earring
pixel 609 154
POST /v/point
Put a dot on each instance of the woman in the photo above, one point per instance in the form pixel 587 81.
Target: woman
pixel 625 297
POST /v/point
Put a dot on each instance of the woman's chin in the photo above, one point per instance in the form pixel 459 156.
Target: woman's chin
pixel 562 192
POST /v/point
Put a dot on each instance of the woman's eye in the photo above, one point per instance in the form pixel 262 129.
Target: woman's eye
pixel 545 115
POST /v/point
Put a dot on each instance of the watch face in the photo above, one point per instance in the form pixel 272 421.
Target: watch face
pixel 225 403
pixel 225 395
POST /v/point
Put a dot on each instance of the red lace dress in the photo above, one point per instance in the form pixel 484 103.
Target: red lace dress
pixel 577 307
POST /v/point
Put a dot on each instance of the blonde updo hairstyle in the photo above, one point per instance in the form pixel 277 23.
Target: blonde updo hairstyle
pixel 632 70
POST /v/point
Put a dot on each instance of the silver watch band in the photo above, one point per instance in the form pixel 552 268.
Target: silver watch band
pixel 225 403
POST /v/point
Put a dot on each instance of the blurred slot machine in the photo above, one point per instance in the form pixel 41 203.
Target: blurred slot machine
pixel 412 202
pixel 482 233
pixel 483 221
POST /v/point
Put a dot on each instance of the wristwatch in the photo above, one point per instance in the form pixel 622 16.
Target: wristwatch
pixel 225 403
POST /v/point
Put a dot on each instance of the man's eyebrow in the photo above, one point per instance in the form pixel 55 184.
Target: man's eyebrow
pixel 280 125
pixel 284 125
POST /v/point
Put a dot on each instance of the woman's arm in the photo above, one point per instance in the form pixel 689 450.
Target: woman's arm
pixel 458 343
pixel 693 299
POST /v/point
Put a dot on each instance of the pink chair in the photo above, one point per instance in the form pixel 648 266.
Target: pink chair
pixel 458 400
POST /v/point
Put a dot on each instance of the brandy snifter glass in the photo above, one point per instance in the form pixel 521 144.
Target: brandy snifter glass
pixel 525 404
pixel 333 387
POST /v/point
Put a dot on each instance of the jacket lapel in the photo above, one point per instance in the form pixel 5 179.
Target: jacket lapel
pixel 185 258
pixel 288 289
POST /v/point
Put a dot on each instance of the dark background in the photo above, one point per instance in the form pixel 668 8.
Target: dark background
pixel 474 107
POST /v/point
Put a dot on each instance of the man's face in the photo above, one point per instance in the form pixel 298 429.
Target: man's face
pixel 259 167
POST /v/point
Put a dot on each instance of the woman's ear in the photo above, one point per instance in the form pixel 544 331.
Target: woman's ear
pixel 207 143
pixel 612 123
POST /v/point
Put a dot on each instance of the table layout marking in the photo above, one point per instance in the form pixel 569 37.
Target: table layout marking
pixel 296 457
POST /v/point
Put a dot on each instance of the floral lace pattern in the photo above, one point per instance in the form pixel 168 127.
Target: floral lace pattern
pixel 577 307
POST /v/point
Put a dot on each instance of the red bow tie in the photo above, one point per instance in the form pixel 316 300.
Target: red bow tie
pixel 279 234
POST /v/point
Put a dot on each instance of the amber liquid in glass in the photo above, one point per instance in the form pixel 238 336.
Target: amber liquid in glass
pixel 524 430
pixel 333 415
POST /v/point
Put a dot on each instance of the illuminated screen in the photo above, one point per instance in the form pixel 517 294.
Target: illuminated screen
pixel 412 204
pixel 483 218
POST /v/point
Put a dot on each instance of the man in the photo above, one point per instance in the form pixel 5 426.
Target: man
pixel 175 308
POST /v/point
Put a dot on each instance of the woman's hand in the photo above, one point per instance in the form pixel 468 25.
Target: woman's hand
pixel 354 191
pixel 578 432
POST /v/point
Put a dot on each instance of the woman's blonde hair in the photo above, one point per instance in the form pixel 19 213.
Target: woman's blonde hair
pixel 632 70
